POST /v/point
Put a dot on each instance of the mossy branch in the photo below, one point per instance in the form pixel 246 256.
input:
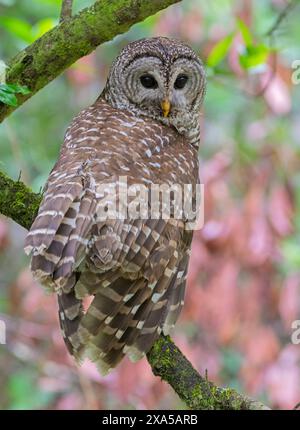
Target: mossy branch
pixel 19 203
pixel 73 38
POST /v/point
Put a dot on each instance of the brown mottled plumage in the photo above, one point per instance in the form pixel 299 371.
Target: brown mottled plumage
pixel 134 268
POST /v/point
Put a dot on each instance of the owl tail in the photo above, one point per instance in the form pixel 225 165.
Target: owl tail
pixel 124 318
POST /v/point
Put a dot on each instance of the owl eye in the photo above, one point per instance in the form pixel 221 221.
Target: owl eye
pixel 180 82
pixel 148 81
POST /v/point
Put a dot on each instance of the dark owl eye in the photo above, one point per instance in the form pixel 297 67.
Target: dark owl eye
pixel 148 81
pixel 180 82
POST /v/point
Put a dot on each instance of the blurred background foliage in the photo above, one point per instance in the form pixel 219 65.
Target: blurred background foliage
pixel 244 279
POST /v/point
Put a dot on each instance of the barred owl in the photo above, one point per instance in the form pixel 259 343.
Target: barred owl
pixel 143 127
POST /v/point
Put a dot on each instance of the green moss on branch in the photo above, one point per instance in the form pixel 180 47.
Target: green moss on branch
pixel 50 55
pixel 168 362
pixel 17 201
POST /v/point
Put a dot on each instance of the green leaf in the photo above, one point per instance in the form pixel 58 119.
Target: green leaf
pixel 245 32
pixel 219 51
pixel 17 27
pixel 8 98
pixel 50 2
pixel 254 56
pixel 6 88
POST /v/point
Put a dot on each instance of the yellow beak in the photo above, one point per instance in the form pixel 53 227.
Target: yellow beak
pixel 166 107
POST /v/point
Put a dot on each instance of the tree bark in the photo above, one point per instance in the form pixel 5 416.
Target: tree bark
pixel 19 203
pixel 197 392
pixel 36 66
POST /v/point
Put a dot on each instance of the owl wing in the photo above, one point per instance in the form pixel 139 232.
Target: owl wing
pixel 135 268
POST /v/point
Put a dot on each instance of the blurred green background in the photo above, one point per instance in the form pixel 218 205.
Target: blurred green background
pixel 244 280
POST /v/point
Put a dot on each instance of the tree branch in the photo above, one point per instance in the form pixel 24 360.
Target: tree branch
pixel 50 55
pixel 19 203
pixel 168 362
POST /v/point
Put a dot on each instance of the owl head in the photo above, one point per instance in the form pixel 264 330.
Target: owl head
pixel 159 78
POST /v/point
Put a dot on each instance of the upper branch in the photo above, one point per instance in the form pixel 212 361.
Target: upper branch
pixel 51 54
